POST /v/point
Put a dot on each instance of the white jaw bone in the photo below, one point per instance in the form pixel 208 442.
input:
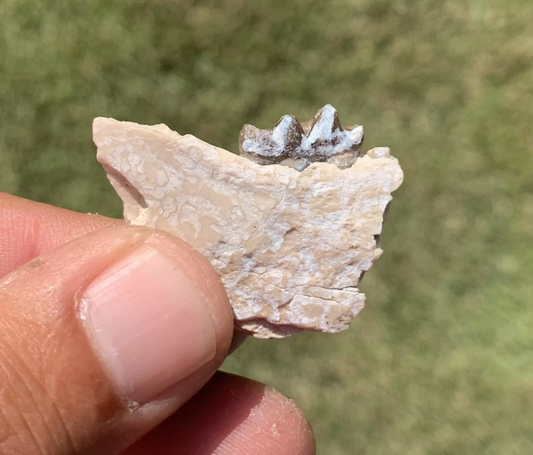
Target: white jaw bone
pixel 290 247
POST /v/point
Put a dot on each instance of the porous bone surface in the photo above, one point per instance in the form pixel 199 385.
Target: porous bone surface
pixel 290 247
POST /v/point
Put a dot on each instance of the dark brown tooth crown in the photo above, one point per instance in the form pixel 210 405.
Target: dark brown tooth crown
pixel 297 145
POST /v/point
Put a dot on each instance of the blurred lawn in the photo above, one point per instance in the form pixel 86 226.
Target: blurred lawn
pixel 441 360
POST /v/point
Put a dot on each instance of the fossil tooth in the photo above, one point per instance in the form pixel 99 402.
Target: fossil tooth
pixel 290 246
pixel 274 145
pixel 298 145
pixel 325 125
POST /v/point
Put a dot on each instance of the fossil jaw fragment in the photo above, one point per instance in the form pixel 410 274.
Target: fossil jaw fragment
pixel 289 246
pixel 289 143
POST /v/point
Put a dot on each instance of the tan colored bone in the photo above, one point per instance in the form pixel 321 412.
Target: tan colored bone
pixel 290 246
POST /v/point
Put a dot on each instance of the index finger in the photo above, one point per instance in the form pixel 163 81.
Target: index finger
pixel 29 229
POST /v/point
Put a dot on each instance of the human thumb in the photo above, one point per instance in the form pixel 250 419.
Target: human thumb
pixel 104 338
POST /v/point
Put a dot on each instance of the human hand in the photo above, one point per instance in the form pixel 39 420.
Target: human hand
pixel 108 336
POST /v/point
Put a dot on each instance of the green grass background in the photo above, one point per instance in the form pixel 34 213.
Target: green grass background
pixel 441 360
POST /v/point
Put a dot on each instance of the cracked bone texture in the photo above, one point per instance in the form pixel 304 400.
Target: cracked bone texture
pixel 290 247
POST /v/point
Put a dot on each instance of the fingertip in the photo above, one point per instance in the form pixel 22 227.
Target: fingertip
pixel 289 423
pixel 174 317
pixel 205 279
pixel 232 415
pixel 110 321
